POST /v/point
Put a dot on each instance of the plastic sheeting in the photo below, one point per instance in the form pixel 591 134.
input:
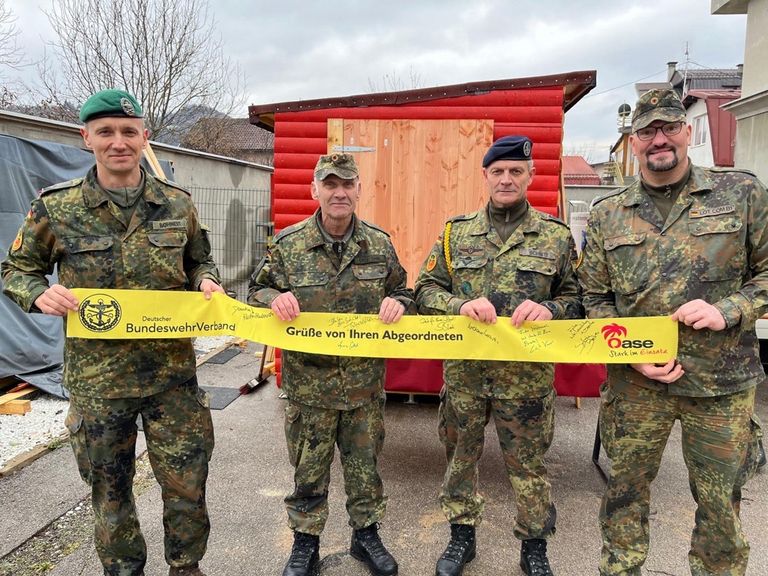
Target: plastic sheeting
pixel 31 344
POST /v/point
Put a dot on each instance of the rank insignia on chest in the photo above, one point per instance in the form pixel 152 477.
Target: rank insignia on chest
pixel 431 262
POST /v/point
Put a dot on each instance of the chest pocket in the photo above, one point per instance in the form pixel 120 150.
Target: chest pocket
pixel 469 276
pixel 311 290
pixel 535 275
pixel 166 258
pixel 627 261
pixel 372 271
pixel 89 262
pixel 718 248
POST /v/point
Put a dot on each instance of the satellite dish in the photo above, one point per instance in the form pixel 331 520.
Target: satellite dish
pixel 624 110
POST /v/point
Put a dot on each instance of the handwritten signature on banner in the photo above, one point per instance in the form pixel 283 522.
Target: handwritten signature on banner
pixel 109 314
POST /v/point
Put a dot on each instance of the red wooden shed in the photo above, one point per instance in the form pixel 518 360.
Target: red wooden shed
pixel 420 150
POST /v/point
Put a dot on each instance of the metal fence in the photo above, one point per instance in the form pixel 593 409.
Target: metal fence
pixel 240 228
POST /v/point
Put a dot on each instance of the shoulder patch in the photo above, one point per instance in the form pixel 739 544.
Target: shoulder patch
pixel 610 194
pixel 371 225
pixel 62 186
pixel 290 230
pixel 547 216
pixel 721 170
pixel 171 184
pixel 463 217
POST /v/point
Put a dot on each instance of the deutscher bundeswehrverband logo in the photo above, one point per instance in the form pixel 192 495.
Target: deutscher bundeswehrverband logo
pixel 100 313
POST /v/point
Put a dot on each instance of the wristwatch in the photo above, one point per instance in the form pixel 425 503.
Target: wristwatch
pixel 552 307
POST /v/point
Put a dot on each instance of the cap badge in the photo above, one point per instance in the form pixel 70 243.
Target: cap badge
pixel 527 148
pixel 127 107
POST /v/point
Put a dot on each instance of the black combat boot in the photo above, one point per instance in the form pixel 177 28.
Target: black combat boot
pixel 193 570
pixel 305 555
pixel 367 547
pixel 460 551
pixel 533 558
pixel 761 459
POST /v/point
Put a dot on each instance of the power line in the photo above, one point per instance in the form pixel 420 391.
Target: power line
pixel 623 85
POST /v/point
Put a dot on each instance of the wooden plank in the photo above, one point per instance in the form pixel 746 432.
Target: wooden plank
pixel 152 160
pixel 415 175
pixel 16 407
pixel 18 462
pixel 11 396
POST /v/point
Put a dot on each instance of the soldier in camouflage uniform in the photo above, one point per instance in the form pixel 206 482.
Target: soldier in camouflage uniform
pixel 334 262
pixel 120 227
pixel 504 260
pixel 688 242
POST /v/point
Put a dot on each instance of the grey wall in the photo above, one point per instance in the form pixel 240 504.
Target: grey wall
pixel 586 193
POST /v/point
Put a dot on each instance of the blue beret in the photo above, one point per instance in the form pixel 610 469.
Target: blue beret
pixel 508 148
pixel 110 103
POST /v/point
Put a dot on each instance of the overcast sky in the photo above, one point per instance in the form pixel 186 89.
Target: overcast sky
pixel 294 50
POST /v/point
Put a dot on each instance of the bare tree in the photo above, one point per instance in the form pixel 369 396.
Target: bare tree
pixel 395 83
pixel 165 52
pixel 10 53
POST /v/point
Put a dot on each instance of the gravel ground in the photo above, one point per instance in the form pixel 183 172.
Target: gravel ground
pixel 45 422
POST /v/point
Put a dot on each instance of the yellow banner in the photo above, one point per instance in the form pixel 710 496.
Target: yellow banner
pixel 110 314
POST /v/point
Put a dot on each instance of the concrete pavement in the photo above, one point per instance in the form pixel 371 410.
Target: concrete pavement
pixel 250 476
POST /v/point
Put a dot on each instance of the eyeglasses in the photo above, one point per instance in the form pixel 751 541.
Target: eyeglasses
pixel 668 129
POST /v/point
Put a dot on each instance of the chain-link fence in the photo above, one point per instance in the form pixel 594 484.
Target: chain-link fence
pixel 239 228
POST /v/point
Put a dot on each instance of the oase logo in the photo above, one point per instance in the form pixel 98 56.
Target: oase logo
pixel 616 337
pixel 100 313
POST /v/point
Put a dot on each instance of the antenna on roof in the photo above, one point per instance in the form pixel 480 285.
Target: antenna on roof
pixel 685 71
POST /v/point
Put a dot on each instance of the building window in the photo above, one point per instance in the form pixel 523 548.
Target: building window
pixel 700 130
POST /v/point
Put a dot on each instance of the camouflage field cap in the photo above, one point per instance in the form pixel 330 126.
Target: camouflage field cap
pixel 109 104
pixel 342 165
pixel 657 105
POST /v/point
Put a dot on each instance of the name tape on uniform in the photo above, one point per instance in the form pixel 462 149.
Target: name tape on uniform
pixel 126 314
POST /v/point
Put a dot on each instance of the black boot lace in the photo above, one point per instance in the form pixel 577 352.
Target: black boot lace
pixel 371 541
pixel 535 552
pixel 461 539
pixel 304 546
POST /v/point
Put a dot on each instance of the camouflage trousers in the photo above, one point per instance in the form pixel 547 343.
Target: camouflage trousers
pixel 179 432
pixel 525 428
pixel 719 440
pixel 312 435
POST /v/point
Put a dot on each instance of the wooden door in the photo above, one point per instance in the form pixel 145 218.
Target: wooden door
pixel 415 174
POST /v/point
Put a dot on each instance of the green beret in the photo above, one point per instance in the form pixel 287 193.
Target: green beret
pixel 342 165
pixel 110 103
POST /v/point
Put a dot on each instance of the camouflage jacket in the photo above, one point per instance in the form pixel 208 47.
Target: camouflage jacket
pixel 535 263
pixel 164 247
pixel 713 246
pixel 301 262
